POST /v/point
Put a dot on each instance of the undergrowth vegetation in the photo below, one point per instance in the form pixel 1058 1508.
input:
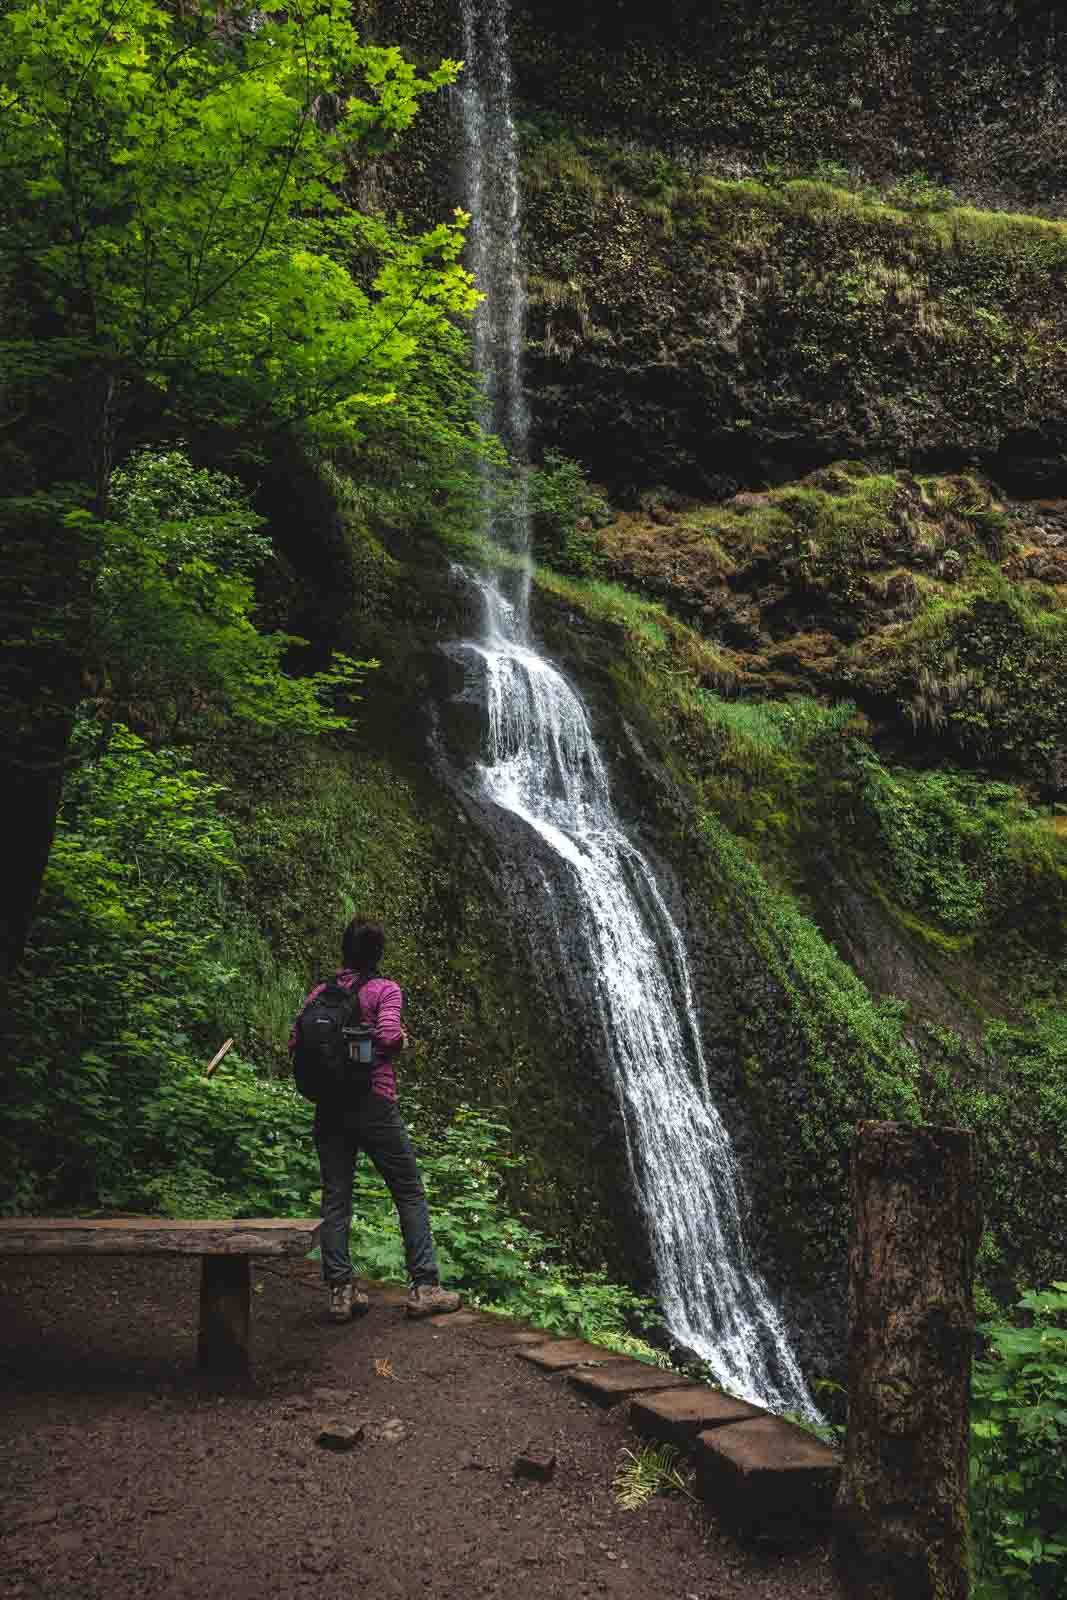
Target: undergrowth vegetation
pixel 502 1262
pixel 1019 1452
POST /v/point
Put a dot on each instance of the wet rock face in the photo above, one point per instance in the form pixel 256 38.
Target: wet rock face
pixel 949 89
pixel 699 319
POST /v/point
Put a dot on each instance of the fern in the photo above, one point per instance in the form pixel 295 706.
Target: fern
pixel 648 1472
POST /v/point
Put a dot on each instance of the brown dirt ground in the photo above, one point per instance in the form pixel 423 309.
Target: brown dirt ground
pixel 124 1472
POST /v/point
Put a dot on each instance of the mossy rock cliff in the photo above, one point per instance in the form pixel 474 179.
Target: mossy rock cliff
pixel 878 919
pixel 718 334
pixel 754 238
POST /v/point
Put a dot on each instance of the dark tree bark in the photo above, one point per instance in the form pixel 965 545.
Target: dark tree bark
pixel 901 1531
pixel 44 616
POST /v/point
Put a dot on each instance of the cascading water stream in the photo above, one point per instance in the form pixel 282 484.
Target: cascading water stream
pixel 491 170
pixel 544 768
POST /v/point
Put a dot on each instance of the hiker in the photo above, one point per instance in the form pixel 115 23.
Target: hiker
pixel 356 1110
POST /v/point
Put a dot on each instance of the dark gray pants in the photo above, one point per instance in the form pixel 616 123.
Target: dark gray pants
pixel 372 1124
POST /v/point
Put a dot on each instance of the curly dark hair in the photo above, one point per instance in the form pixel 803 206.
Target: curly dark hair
pixel 362 945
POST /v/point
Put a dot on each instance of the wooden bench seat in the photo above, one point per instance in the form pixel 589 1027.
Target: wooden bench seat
pixel 225 1248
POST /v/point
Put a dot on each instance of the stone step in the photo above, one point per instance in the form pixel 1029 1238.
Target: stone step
pixel 458 1319
pixel 677 1415
pixel 767 1476
pixel 558 1354
pixel 622 1378
pixel 509 1333
pixel 382 1294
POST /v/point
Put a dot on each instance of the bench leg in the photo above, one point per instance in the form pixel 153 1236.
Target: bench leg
pixel 225 1300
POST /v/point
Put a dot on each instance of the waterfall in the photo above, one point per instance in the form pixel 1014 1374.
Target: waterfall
pixel 542 766
pixel 491 171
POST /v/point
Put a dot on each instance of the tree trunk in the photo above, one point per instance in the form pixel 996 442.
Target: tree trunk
pixel 49 569
pixel 44 614
pixel 901 1515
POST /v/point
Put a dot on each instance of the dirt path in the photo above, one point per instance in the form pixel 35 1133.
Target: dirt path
pixel 125 1473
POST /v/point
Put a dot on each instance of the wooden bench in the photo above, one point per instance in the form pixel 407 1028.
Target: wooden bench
pixel 225 1248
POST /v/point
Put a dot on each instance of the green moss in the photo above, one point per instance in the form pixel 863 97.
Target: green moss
pixel 780 809
pixel 987 666
pixel 798 319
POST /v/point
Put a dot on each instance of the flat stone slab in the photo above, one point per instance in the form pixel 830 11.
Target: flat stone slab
pixel 142 1236
pixel 768 1475
pixel 559 1354
pixel 384 1294
pixel 494 1337
pixel 457 1319
pixel 622 1378
pixel 677 1415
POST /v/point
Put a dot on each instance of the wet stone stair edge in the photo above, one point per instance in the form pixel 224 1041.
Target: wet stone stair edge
pixel 763 1475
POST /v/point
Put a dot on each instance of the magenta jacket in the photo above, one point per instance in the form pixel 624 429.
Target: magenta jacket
pixel 380 1002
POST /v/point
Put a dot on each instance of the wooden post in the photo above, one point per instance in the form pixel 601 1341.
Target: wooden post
pixel 901 1513
pixel 213 1064
pixel 225 1302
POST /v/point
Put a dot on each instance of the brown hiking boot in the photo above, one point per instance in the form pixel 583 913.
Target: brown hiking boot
pixel 346 1301
pixel 430 1300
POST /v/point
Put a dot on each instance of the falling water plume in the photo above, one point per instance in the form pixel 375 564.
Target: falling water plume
pixel 543 767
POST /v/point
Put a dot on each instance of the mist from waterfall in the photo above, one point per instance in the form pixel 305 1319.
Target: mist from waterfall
pixel 543 767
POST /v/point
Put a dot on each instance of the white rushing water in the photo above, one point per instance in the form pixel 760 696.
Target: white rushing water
pixel 543 767
pixel 491 170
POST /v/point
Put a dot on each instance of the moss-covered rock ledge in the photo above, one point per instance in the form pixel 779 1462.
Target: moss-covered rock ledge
pixel 691 330
pixel 871 938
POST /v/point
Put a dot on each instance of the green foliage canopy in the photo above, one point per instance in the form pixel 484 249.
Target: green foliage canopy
pixel 173 645
pixel 172 207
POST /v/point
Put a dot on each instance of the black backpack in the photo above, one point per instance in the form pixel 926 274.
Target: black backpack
pixel 334 1055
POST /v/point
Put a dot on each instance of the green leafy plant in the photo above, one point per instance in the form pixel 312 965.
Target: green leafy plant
pixel 565 513
pixel 188 513
pixel 948 837
pixel 173 646
pixel 170 195
pixel 1019 1453
pixel 919 192
pixel 106 1102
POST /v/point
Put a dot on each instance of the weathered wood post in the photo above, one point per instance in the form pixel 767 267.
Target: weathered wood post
pixel 901 1512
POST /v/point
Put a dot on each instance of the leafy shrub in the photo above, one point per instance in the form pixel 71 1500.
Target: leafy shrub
pixel 1019 1454
pixel 918 192
pixel 188 513
pixel 565 511
pixel 107 1104
pixel 947 836
pixel 989 668
pixel 174 647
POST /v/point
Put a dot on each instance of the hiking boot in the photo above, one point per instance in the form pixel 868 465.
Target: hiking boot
pixel 340 1302
pixel 430 1300
pixel 347 1301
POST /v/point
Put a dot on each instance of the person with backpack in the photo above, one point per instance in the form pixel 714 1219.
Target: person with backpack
pixel 343 1046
